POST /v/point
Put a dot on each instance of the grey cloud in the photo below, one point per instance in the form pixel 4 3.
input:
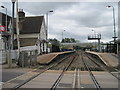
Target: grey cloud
pixel 76 17
pixel 42 7
pixel 91 17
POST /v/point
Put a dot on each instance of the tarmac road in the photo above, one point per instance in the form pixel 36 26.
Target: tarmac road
pixel 7 74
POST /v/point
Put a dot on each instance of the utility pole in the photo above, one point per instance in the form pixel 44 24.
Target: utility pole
pixel 99 44
pixel 17 27
pixel 94 36
pixel 12 31
pixel 62 37
pixel 114 29
pixel 47 22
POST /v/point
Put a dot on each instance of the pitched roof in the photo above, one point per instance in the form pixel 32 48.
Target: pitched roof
pixel 31 25
pixel 26 42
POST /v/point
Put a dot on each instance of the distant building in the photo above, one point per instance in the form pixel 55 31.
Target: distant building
pixel 79 46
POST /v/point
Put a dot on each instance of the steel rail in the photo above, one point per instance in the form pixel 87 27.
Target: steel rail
pixel 91 74
pixel 61 75
pixel 104 67
pixel 24 82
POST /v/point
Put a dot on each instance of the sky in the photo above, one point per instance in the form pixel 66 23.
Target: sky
pixel 77 18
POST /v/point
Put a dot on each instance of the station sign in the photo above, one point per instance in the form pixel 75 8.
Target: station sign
pixel 2 28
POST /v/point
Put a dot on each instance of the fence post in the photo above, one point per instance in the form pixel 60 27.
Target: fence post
pixel 36 53
pixel 22 58
pixel 30 59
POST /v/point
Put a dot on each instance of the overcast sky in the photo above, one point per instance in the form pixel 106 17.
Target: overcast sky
pixel 77 18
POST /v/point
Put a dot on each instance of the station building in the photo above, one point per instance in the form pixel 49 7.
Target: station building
pixel 33 36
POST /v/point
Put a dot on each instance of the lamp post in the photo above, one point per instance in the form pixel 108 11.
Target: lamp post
pixel 12 31
pixel 17 29
pixel 6 17
pixel 62 35
pixel 47 27
pixel 94 37
pixel 94 33
pixel 114 28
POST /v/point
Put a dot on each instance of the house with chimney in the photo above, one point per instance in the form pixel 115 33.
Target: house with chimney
pixel 32 34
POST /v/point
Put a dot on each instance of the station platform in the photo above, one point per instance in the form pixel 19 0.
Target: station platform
pixel 47 58
pixel 108 58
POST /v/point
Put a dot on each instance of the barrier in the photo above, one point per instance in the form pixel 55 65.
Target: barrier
pixel 28 58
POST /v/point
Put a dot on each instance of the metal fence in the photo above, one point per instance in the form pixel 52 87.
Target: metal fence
pixel 3 56
pixel 28 58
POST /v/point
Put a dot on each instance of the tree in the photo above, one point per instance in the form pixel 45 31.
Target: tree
pixel 54 41
pixel 73 40
pixel 55 47
pixel 68 40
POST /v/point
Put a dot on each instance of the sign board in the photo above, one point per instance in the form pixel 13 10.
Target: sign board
pixel 2 28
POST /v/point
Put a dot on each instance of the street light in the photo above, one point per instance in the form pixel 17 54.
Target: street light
pixel 114 29
pixel 94 37
pixel 113 23
pixel 94 33
pixel 12 31
pixel 62 38
pixel 47 27
pixel 47 22
pixel 6 16
pixel 62 35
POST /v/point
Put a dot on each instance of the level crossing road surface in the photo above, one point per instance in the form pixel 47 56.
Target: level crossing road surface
pixel 47 79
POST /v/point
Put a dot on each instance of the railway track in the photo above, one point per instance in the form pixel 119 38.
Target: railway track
pixel 76 80
pixel 56 83
pixel 64 65
pixel 97 86
pixel 40 72
pixel 104 67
